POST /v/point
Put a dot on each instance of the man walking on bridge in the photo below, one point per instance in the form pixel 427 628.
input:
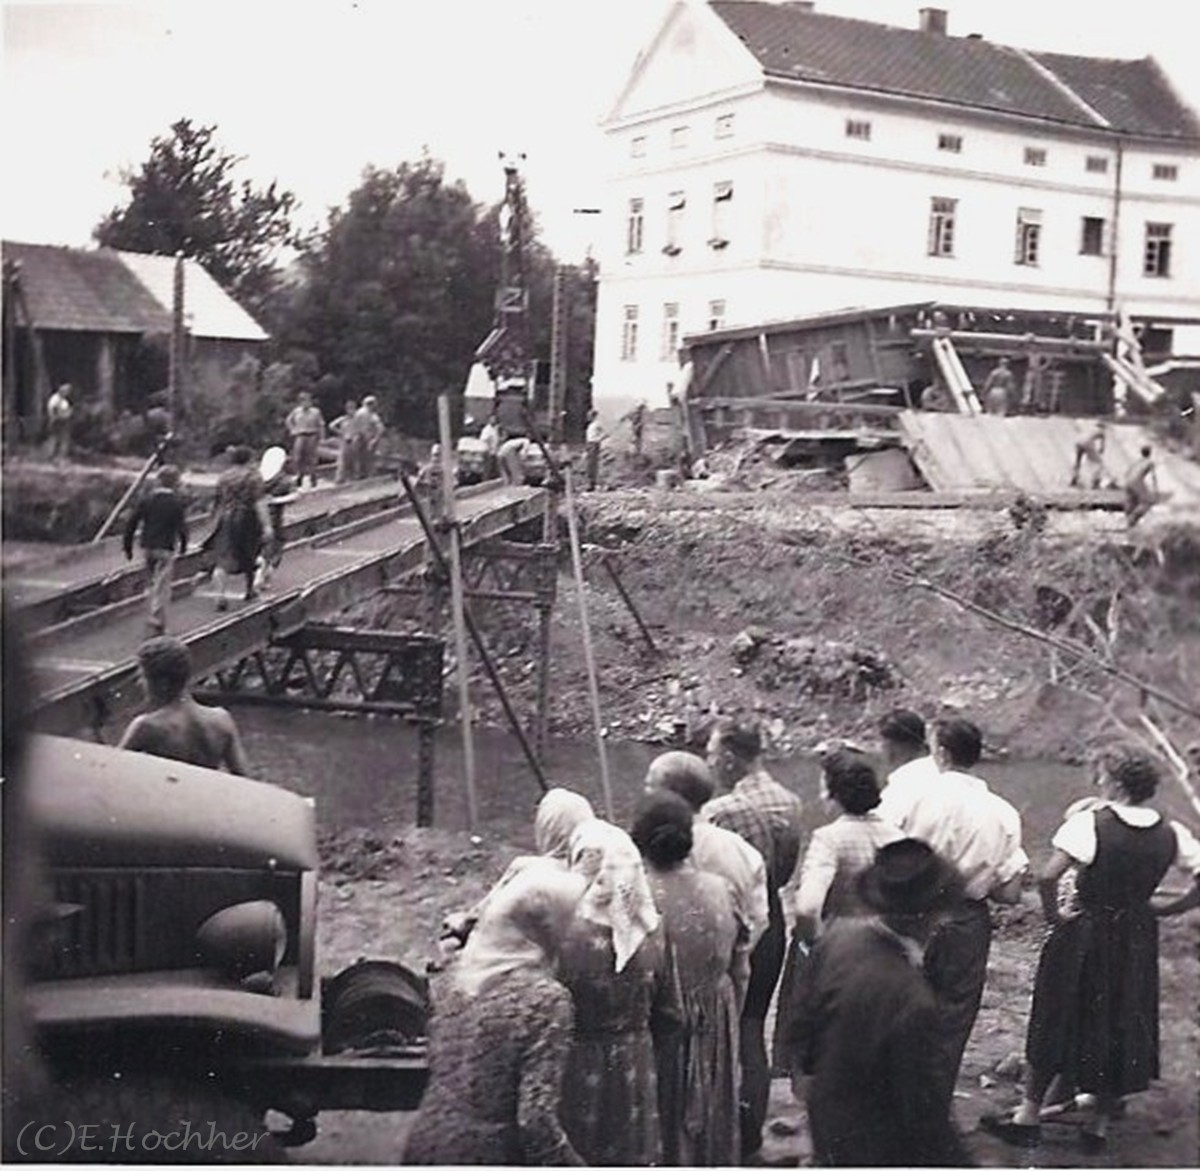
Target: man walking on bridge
pixel 176 726
pixel 160 516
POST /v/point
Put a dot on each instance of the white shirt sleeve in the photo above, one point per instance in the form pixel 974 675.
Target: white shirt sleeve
pixel 817 873
pixel 1076 837
pixel 1187 856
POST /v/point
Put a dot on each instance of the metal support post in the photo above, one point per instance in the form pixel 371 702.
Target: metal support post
pixel 426 731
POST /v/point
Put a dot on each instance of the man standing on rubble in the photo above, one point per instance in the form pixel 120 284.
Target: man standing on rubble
pixel 999 389
pixel 979 833
pixel 759 809
pixel 1141 488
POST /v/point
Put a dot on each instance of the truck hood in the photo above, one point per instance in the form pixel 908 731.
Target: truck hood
pixel 98 806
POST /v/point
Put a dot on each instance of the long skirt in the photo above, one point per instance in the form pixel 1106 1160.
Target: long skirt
pixel 236 540
pixel 1094 1019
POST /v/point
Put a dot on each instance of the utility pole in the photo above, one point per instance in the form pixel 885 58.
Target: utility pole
pixel 559 348
pixel 175 377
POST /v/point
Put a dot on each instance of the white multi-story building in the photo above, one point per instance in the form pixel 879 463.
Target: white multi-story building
pixel 769 161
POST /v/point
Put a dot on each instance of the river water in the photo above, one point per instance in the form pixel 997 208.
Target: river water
pixel 362 772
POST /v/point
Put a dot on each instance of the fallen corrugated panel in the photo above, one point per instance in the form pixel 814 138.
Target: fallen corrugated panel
pixel 961 453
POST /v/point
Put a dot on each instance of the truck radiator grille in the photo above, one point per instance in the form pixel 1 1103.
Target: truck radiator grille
pixel 103 929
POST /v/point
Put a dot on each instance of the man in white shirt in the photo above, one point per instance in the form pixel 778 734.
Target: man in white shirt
pixel 911 769
pixel 594 439
pixel 980 834
pixel 714 849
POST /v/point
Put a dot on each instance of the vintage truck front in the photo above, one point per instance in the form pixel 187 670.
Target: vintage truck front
pixel 183 913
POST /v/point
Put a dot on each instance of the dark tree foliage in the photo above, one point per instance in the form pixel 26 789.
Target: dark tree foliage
pixel 398 291
pixel 184 198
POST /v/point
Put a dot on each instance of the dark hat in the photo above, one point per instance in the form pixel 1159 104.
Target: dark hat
pixel 909 878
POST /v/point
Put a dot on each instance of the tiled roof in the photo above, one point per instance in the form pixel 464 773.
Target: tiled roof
pixel 209 310
pixel 809 46
pixel 1133 96
pixel 88 291
pixel 104 291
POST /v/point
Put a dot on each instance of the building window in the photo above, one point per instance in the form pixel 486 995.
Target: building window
pixel 716 315
pixel 858 129
pixel 635 226
pixel 1097 164
pixel 679 137
pixel 670 333
pixel 1029 236
pixel 1091 242
pixel 629 334
pixel 941 227
pixel 1157 261
pixel 676 202
pixel 723 127
pixel 950 142
pixel 722 202
pixel 1168 171
pixel 1035 156
pixel 637 147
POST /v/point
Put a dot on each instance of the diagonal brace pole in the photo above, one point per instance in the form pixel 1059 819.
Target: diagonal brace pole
pixel 476 638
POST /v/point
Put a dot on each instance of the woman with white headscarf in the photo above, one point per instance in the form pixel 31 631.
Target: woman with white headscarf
pixel 616 963
pixel 501 1033
pixel 559 813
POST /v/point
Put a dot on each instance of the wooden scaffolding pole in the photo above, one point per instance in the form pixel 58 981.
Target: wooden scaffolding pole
pixel 456 606
pixel 588 654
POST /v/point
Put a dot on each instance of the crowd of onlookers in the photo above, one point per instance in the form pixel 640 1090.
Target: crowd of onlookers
pixel 607 1001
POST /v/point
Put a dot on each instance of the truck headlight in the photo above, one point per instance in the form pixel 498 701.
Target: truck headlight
pixel 244 940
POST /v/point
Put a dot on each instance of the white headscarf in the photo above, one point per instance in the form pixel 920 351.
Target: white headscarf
pixel 521 926
pixel 618 895
pixel 559 813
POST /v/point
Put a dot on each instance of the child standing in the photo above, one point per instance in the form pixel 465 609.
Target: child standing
pixel 161 517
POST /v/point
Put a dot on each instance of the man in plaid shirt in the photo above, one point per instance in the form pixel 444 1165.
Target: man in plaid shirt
pixel 765 814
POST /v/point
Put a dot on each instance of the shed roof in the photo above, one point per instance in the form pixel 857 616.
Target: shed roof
pixel 101 290
pixel 88 291
pixel 209 310
pixel 797 44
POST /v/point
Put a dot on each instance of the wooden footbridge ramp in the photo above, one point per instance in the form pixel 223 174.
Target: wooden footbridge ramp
pixel 85 674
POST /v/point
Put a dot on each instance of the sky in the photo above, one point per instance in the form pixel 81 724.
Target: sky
pixel 311 93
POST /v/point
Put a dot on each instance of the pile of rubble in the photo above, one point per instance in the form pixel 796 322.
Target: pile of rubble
pixel 809 666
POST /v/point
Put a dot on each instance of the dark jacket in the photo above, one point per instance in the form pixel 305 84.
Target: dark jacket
pixel 864 1020
pixel 160 514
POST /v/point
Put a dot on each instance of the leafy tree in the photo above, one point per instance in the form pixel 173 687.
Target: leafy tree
pixel 184 198
pixel 398 291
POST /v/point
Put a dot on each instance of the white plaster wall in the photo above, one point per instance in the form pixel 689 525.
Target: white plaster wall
pixel 821 221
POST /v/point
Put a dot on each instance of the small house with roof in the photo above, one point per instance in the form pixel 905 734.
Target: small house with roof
pixel 101 320
pixel 770 162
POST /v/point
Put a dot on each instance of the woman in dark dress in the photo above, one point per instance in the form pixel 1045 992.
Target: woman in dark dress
pixel 500 1035
pixel 1094 1021
pixel 698 1066
pixel 242 521
pixel 617 965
